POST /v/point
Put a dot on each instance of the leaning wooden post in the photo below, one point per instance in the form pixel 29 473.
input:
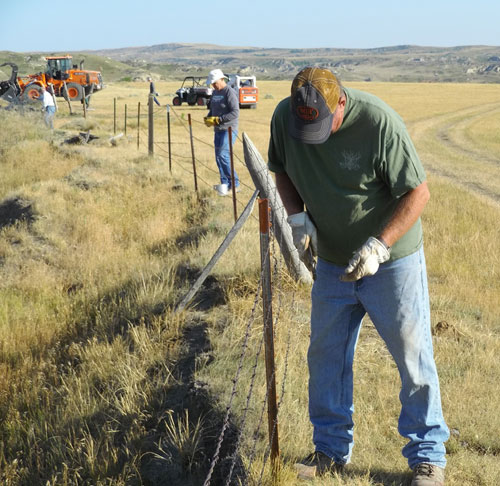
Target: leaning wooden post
pixel 265 184
pixel 125 123
pixel 114 116
pixel 138 123
pixel 150 126
pixel 169 143
pixel 67 98
pixel 192 153
pixel 265 262
pixel 217 255
pixel 233 185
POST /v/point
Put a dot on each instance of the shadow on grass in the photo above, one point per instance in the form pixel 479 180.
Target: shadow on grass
pixel 194 396
pixel 383 477
pixel 160 459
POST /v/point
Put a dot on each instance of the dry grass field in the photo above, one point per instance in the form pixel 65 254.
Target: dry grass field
pixel 102 384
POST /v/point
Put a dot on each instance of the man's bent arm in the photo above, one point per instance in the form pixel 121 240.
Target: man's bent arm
pixel 407 212
pixel 291 199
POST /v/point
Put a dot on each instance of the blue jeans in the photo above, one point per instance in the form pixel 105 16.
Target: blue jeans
pixel 396 299
pixel 48 116
pixel 222 156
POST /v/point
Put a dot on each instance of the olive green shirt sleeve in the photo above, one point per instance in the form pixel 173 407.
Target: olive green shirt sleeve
pixel 400 166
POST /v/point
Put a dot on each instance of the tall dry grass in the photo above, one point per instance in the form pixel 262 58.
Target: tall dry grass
pixel 102 384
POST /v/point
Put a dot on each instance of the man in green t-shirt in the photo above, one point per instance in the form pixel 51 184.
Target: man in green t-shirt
pixel 354 189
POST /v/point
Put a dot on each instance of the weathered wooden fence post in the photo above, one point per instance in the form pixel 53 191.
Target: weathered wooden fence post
pixel 192 153
pixel 84 105
pixel 265 184
pixel 150 125
pixel 125 122
pixel 114 116
pixel 265 262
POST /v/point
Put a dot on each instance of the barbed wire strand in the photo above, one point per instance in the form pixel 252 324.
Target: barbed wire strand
pixel 246 409
pixel 235 383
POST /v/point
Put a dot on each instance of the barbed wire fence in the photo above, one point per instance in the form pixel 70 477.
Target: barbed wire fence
pixel 269 291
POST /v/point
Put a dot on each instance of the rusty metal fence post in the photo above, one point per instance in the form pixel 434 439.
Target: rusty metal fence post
pixel 272 408
pixel 192 153
pixel 169 142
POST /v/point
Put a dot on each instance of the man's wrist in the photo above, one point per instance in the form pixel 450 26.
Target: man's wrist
pixel 387 247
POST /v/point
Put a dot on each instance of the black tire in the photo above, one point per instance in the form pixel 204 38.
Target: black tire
pixel 191 99
pixel 177 101
pixel 200 101
pixel 75 92
pixel 31 93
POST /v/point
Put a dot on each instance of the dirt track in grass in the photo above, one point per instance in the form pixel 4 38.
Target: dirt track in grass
pixel 447 152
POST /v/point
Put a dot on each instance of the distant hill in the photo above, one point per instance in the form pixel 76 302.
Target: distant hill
pixel 398 63
pixel 478 64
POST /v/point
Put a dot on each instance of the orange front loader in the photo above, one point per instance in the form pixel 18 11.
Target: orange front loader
pixel 67 80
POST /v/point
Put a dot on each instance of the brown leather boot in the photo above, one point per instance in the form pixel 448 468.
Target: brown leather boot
pixel 426 474
pixel 317 464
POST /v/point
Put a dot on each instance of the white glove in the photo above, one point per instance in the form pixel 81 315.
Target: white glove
pixel 366 260
pixel 304 233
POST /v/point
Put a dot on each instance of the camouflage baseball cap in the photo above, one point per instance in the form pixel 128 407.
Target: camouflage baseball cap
pixel 315 96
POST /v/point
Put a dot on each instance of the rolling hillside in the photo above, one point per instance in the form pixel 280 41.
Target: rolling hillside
pixel 398 63
pixel 477 64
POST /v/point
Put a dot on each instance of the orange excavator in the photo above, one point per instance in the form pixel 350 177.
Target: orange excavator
pixel 65 78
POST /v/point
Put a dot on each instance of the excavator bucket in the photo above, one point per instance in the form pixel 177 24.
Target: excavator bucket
pixel 10 90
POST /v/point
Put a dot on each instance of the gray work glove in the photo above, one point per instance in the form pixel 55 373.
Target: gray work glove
pixel 366 260
pixel 304 233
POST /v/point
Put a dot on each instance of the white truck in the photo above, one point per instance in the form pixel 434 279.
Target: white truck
pixel 246 87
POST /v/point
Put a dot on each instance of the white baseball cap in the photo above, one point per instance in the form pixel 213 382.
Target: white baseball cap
pixel 214 76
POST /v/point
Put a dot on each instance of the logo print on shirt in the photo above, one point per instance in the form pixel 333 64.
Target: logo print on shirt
pixel 350 160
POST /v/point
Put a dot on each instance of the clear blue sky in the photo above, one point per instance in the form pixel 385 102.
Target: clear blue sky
pixel 31 25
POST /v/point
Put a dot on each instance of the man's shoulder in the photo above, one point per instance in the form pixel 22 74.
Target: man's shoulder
pixel 284 104
pixel 371 105
pixel 229 90
pixel 282 109
pixel 372 114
